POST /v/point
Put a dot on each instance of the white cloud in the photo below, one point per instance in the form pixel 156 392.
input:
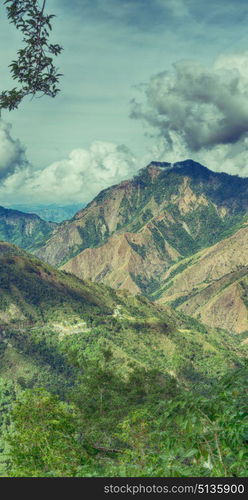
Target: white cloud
pixel 77 178
pixel 197 112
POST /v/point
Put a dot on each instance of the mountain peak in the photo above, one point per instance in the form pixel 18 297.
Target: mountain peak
pixel 188 163
pixel 159 164
pixel 186 167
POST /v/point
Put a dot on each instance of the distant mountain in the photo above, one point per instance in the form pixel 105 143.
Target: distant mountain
pixel 213 284
pixel 24 229
pixel 131 233
pixel 54 213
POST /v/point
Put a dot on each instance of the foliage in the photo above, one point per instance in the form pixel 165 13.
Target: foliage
pixel 43 436
pixel 118 428
pixel 100 383
pixel 190 435
pixel 34 68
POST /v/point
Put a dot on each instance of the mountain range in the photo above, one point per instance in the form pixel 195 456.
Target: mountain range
pixel 142 235
pixel 123 331
pixel 175 233
pixel 177 210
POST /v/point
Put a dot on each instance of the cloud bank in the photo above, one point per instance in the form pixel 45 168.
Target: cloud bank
pixel 200 112
pixel 77 178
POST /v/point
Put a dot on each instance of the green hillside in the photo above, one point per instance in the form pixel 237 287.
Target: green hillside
pixel 91 380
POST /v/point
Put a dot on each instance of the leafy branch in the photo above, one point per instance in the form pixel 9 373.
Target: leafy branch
pixel 34 68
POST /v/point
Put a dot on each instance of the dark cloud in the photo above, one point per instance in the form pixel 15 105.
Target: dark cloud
pixel 12 153
pixel 205 107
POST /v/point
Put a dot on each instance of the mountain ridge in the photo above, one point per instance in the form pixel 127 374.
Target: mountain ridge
pixel 26 230
pixel 140 233
pixel 164 214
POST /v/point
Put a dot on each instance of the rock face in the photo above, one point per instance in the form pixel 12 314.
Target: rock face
pixel 28 231
pixel 127 260
pixel 213 286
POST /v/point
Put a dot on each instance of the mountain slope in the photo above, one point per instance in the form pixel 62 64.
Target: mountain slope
pixel 213 285
pixel 44 313
pixel 131 233
pixel 32 291
pixel 128 260
pixel 28 231
pixel 95 382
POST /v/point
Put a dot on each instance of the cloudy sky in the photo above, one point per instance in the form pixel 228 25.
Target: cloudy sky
pixel 143 80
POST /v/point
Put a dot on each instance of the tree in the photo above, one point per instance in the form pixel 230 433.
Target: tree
pixel 43 436
pixel 34 68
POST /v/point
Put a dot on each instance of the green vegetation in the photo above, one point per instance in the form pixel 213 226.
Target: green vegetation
pixel 140 249
pixel 42 436
pixel 145 426
pixel 99 383
pixel 147 286
pixel 34 69
pixel 244 288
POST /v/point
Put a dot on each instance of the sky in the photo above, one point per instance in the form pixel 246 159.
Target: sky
pixel 142 80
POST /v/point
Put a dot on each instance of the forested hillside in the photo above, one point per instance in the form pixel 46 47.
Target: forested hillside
pixel 98 382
